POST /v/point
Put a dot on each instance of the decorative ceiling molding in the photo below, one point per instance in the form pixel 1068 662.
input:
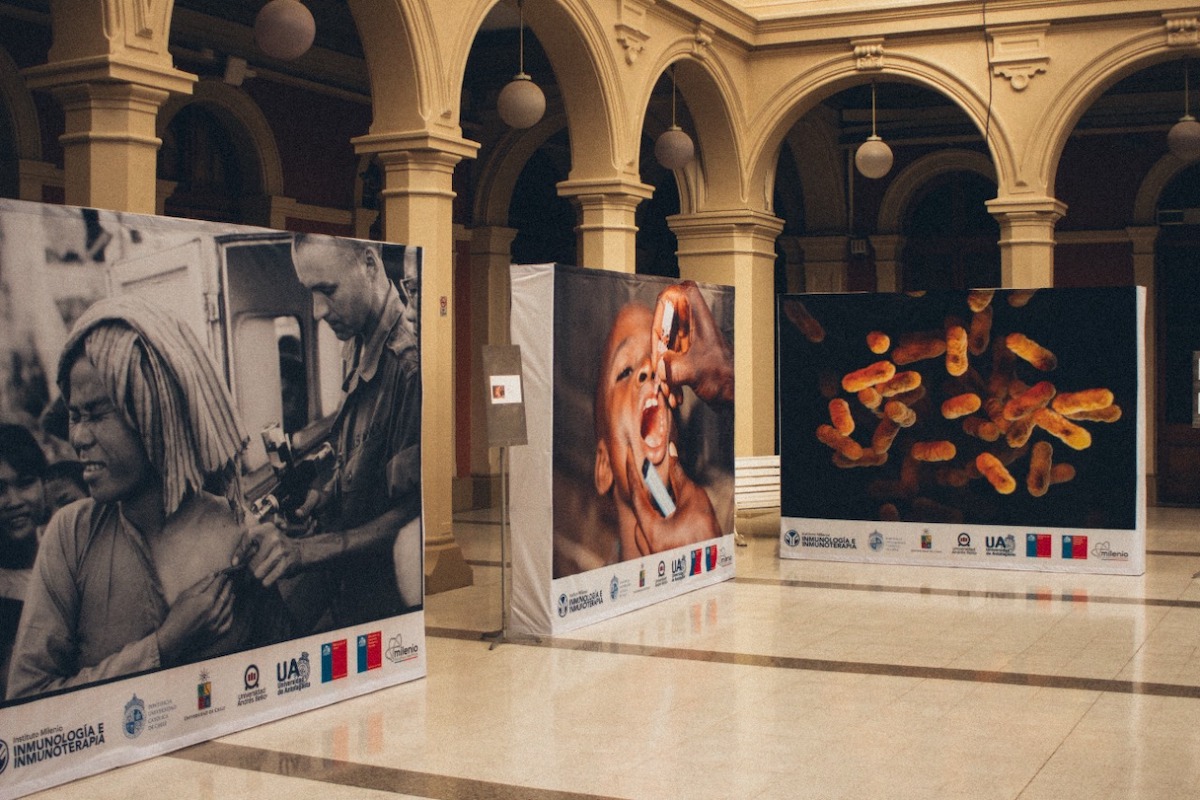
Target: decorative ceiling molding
pixel 630 27
pixel 868 53
pixel 702 38
pixel 1018 53
pixel 1182 30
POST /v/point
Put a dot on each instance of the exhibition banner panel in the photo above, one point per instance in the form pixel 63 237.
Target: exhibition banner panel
pixel 982 428
pixel 624 494
pixel 214 432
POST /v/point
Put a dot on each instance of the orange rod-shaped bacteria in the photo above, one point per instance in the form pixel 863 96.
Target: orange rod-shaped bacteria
pixel 1026 348
pixel 996 473
pixel 872 375
pixel 1069 403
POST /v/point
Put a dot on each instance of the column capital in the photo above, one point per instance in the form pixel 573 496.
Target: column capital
pixel 825 248
pixel 619 190
pixel 1143 238
pixel 887 245
pixel 1027 239
pixel 718 222
pixel 109 69
pixel 110 141
pixel 1046 208
pixel 433 145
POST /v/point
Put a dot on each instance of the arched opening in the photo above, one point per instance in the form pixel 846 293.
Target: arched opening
pixel 10 184
pixel 952 242
pixel 545 222
pixel 1177 283
pixel 656 242
pixel 199 155
pixel 831 211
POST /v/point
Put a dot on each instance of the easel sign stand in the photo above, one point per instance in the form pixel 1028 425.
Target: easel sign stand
pixel 506 428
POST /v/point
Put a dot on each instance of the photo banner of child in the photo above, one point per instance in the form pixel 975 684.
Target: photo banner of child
pixel 622 496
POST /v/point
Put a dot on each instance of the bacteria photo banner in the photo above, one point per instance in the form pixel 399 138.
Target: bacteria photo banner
pixel 171 392
pixel 985 428
pixel 624 494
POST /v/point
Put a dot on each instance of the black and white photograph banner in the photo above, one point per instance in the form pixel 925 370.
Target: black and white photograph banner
pixel 624 494
pixel 987 428
pixel 210 482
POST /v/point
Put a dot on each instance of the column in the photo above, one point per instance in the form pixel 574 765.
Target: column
pixel 110 147
pixel 491 256
pixel 825 263
pixel 793 256
pixel 607 230
pixel 418 209
pixel 1143 239
pixel 737 248
pixel 1027 240
pixel 887 249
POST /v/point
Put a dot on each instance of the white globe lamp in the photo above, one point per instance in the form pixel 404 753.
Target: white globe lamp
pixel 521 103
pixel 1183 140
pixel 873 157
pixel 674 149
pixel 284 29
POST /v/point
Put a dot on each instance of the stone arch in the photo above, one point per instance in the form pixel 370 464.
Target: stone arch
pixel 800 95
pixel 1145 206
pixel 577 45
pixel 706 87
pixel 823 176
pixel 1143 50
pixel 257 150
pixel 21 110
pixel 403 62
pixel 499 174
pixel 909 181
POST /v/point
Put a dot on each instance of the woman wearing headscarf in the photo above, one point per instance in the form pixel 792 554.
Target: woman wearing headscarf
pixel 137 577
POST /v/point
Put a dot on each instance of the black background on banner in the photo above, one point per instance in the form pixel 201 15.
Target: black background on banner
pixel 1093 333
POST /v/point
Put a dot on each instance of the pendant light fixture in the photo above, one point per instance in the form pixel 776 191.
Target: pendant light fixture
pixel 284 29
pixel 873 157
pixel 1183 140
pixel 521 103
pixel 674 149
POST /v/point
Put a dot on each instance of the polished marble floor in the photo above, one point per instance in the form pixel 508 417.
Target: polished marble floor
pixel 798 679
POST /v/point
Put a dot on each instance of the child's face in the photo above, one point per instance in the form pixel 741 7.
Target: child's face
pixel 634 417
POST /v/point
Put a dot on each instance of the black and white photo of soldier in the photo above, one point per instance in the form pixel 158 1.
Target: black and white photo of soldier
pixel 351 552
pixel 137 576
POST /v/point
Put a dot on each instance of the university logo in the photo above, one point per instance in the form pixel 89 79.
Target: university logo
pixel 875 541
pixel 135 718
pixel 203 692
pixel 292 675
pixel 398 652
pixel 250 677
pixel 613 587
pixel 562 605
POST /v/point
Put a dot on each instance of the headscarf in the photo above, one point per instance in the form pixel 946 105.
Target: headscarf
pixel 162 380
